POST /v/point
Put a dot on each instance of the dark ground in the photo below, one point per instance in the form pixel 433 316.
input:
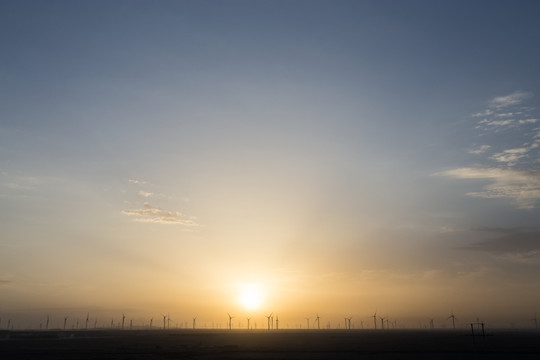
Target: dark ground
pixel 282 344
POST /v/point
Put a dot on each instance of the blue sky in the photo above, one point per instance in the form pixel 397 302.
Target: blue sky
pixel 371 148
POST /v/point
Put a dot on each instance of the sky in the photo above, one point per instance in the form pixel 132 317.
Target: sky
pixel 337 158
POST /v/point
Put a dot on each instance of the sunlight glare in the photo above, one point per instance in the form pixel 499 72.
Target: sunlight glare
pixel 251 296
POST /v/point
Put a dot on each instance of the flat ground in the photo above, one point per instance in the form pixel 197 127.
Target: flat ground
pixel 282 344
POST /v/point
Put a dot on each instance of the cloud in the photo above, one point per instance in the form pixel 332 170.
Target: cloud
pixel 486 112
pixel 498 123
pixel 480 150
pixel 528 121
pixel 512 244
pixel 520 186
pixel 6 279
pixel 145 194
pixel 511 156
pixel 509 100
pixel 157 215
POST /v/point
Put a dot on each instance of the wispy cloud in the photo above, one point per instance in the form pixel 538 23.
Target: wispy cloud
pixel 145 194
pixel 520 186
pixel 6 279
pixel 508 172
pixel 515 98
pixel 138 182
pixel 512 244
pixel 152 214
pixel 480 150
pixel 511 156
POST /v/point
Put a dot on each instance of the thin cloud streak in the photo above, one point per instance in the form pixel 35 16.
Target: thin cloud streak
pixel 151 214
pixel 509 100
pixel 520 186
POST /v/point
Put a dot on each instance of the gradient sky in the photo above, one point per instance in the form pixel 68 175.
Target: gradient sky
pixel 345 157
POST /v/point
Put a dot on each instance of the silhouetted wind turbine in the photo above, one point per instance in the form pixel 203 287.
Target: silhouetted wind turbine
pixel 248 322
pixel 95 324
pixel 47 323
pixel 453 317
pixel 123 319
pixel 87 321
pixel 535 321
pixel 348 323
pixel 194 320
pixel 168 321
pixel 112 323
pixel 277 322
pixel 65 321
pixel 230 321
pixel 317 319
pixel 382 322
pixel 307 320
pixel 431 324
pixel 9 323
pixel 164 320
pixel 375 320
pixel 268 319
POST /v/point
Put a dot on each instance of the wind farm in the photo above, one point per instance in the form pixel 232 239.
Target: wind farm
pixel 469 341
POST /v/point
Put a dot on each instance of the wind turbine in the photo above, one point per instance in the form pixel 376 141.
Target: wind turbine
pixel 47 323
pixel 168 321
pixel 535 321
pixel 95 324
pixel 87 320
pixel 375 320
pixel 248 322
pixel 277 322
pixel 230 321
pixel 453 317
pixel 164 320
pixel 112 323
pixel 382 322
pixel 151 320
pixel 9 323
pixel 65 321
pixel 307 320
pixel 317 319
pixel 348 323
pixel 431 324
pixel 268 318
pixel 194 320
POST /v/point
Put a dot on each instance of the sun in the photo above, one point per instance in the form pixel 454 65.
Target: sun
pixel 251 296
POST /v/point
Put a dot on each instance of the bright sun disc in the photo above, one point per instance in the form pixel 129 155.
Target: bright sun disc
pixel 251 296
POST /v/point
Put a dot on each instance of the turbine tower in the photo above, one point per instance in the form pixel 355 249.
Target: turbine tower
pixel 277 322
pixel 230 321
pixel 123 319
pixel 317 319
pixel 164 321
pixel 375 320
pixel 535 321
pixel 47 323
pixel 248 322
pixel 382 322
pixel 65 321
pixel 194 322
pixel 268 320
pixel 453 317
pixel 87 321
pixel 348 323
